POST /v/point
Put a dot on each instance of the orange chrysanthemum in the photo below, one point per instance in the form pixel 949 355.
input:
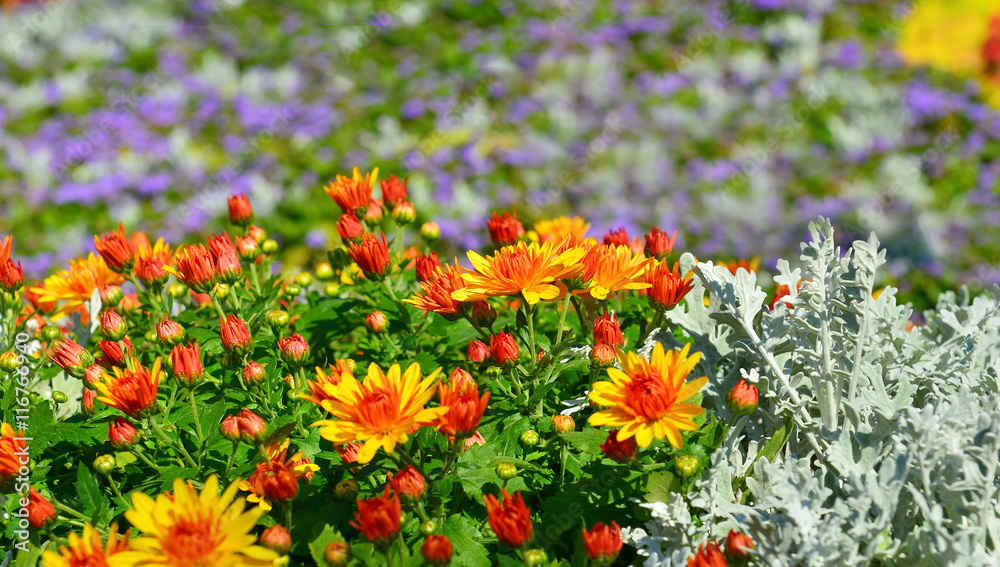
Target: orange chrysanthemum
pixel 532 270
pixel 320 388
pixel 151 260
pixel 572 230
pixel 195 267
pixel 667 286
pixel 190 529
pixel 465 406
pixel 13 453
pixel 438 293
pixel 751 265
pixel 646 397
pixel 353 193
pixel 277 478
pixel 610 269
pixel 76 285
pixel 382 411
pixel 132 390
pixel 86 550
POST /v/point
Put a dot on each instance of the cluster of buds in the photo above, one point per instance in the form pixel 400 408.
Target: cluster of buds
pixel 245 426
pixel 608 337
pixel 737 552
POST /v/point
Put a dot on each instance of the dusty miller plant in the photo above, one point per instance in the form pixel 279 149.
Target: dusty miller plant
pixel 876 442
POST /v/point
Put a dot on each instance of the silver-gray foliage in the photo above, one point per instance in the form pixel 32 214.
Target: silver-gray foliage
pixel 894 456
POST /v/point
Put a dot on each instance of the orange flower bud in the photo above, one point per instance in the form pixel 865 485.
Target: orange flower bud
pixel 11 275
pixel 196 267
pixel 378 518
pixel 602 355
pixel 668 287
pixel 509 518
pixel 122 434
pixel 41 512
pixel 113 351
pixel 376 322
pixel 247 248
pixel 503 349
pixel 658 244
pixel 169 332
pixel 186 362
pixel 616 237
pixel 87 403
pixel 620 451
pixel 708 555
pixel 230 428
pixel 394 190
pixel 428 267
pixel 349 227
pixel 277 538
pixel 116 249
pixel 483 313
pixel 738 546
pixel 430 231
pixel 372 256
pixel 227 260
pixel 71 357
pixel 236 337
pixel 603 543
pixel 293 349
pixel 404 212
pixel 607 331
pixel 253 373
pixel 436 550
pixel 743 398
pixel 563 423
pixel 337 554
pixel 504 230
pixel 409 484
pixel 240 211
pixel 478 351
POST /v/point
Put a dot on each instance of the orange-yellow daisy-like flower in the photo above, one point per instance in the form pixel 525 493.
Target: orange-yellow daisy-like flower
pixel 131 390
pixel 353 193
pixel 610 269
pixel 646 398
pixel 278 477
pixel 190 529
pixel 86 550
pixel 320 388
pixel 752 265
pixel 532 270
pixel 76 285
pixel 382 411
pixel 438 293
pixel 572 230
pixel 13 455
pixel 961 37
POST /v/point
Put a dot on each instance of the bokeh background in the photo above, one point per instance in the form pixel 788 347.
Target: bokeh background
pixel 735 123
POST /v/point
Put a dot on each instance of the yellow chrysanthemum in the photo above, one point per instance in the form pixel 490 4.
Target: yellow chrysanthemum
pixel 646 398
pixel 610 269
pixel 570 229
pixel 955 36
pixel 532 270
pixel 192 529
pixel 76 285
pixel 86 550
pixel 382 411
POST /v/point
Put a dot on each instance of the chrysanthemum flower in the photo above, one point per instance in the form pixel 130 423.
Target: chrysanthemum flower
pixel 956 36
pixel 394 190
pixel 116 249
pixel 195 267
pixel 76 285
pixel 465 405
pixel 151 260
pixel 570 230
pixel 86 550
pixel 240 210
pixel 378 519
pixel 131 390
pixel 438 296
pixel 602 542
pixel 277 478
pixel 532 270
pixel 504 230
pixel 189 528
pixel 509 518
pixel 227 259
pixel 668 287
pixel 322 388
pixel 708 555
pixel 11 275
pixel 371 255
pixel 428 267
pixel 646 398
pixel 353 193
pixel 609 270
pixel 382 411
pixel 617 237
pixel 658 244
pixel 349 227
pixel 12 452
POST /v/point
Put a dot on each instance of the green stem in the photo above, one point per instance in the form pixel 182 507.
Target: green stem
pixel 118 493
pixel 64 508
pixel 232 459
pixel 254 278
pixel 197 422
pixel 562 318
pixel 218 306
pixel 530 316
pixel 142 457
pixel 177 445
pixel 399 305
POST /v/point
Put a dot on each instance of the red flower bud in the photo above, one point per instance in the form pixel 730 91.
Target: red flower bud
pixel 620 451
pixel 186 361
pixel 230 428
pixel 247 248
pixel 409 484
pixel 503 349
pixel 236 337
pixel 87 403
pixel 196 267
pixel 658 244
pixel 227 260
pixel 253 373
pixel 616 238
pixel 41 512
pixel 602 355
pixel 293 349
pixel 11 275
pixel 372 256
pixel 483 313
pixel 743 398
pixel 246 425
pixel 376 322
pixel 71 357
pixel 436 550
pixel 113 351
pixel 169 332
pixel 113 326
pixel 257 233
pixel 116 249
pixel 404 212
pixel 277 538
pixel 603 543
pixel 478 351
pixel 428 267
pixel 394 190
pixel 708 555
pixel 122 434
pixel 509 518
pixel 240 211
pixel 373 216
pixel 504 230
pixel 607 331
pixel 378 518
pixel 738 546
pixel 349 227
pixel 337 554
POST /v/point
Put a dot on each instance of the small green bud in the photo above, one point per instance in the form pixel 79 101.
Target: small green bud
pixel 151 336
pixel 506 471
pixel 427 528
pixel 50 333
pixel 104 464
pixel 535 557
pixel 686 465
pixel 347 490
pixel 220 291
pixel 530 438
pixel 324 271
pixel 177 290
pixel 331 289
pixel 270 246
pixel 292 290
pixel 59 397
pixel 278 319
pixel 304 279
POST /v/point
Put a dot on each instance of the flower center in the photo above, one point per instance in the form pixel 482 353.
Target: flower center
pixel 379 409
pixel 648 396
pixel 192 540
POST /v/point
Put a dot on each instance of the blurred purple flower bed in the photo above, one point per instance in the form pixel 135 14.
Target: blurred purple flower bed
pixel 735 123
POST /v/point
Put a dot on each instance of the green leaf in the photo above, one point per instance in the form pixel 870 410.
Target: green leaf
pixel 660 485
pixel 91 497
pixel 777 441
pixel 467 551
pixel 317 547
pixel 587 441
pixel 211 418
pixel 41 429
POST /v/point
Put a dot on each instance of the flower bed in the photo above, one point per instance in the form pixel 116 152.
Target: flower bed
pixel 564 400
